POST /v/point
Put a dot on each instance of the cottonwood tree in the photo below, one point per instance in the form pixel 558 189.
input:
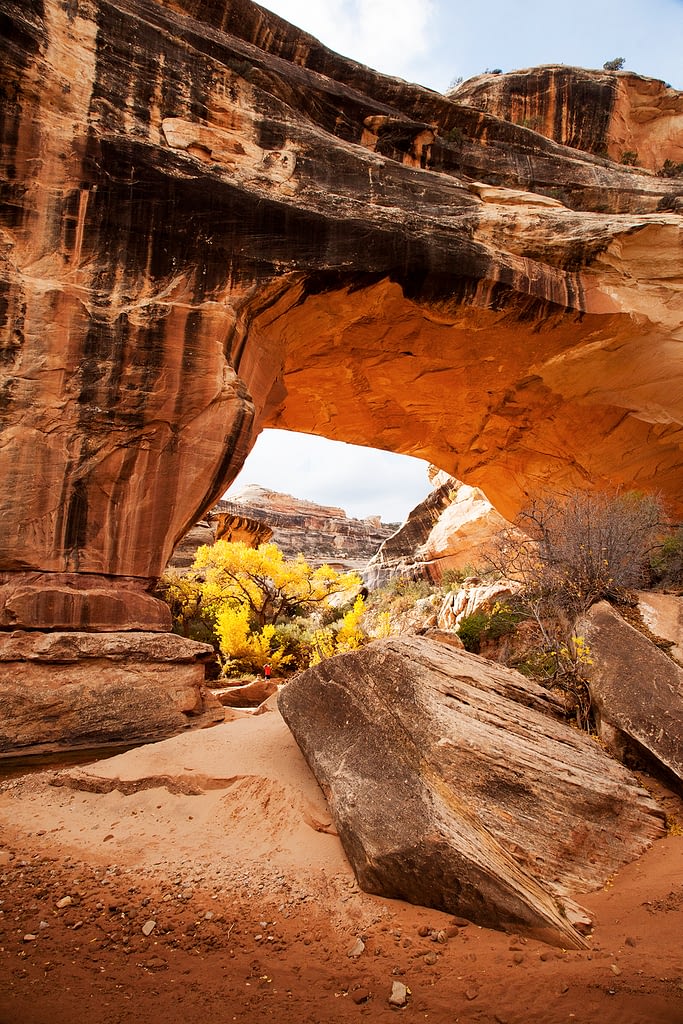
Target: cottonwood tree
pixel 271 587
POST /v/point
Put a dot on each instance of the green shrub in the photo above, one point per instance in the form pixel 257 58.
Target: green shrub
pixel 667 561
pixel 669 169
pixel 471 629
pixel 404 586
pixel 474 629
pixel 629 157
pixel 454 137
pixel 453 579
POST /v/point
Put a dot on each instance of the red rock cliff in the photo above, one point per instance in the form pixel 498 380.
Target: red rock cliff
pixel 211 223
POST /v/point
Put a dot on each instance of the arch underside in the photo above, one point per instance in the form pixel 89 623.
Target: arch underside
pixel 217 228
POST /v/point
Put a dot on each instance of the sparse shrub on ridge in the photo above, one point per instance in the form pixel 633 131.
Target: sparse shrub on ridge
pixel 575 550
pixel 670 169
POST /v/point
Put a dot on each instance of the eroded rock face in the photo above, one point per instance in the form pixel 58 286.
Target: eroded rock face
pixel 603 112
pixel 212 224
pixel 636 689
pixel 321 533
pixel 452 784
pixel 448 530
pixel 69 689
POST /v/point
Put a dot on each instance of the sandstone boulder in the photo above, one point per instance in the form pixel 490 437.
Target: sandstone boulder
pixel 246 695
pixel 474 596
pixel 69 690
pixel 452 784
pixel 636 689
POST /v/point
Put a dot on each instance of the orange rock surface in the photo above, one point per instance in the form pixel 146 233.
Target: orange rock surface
pixel 213 224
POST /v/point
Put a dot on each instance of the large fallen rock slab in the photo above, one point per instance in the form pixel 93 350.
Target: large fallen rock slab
pixel 452 784
pixel 636 689
pixel 66 690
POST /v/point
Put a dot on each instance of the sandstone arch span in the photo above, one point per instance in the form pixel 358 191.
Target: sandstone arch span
pixel 212 224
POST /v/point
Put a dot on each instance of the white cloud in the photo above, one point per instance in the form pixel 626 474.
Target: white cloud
pixel 432 41
pixel 362 481
pixel 389 36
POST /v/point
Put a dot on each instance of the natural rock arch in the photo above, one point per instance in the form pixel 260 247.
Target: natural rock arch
pixel 213 224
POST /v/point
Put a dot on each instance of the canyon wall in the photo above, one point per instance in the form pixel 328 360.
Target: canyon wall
pixel 618 114
pixel 211 224
pixel 322 534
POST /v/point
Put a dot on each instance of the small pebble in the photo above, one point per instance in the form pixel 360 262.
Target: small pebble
pixel 148 927
pixel 399 994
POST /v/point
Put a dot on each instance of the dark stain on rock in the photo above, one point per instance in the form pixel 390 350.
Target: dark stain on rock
pixel 76 528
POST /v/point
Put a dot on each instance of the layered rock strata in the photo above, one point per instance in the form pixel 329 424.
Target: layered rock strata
pixel 211 223
pixel 618 114
pixel 449 530
pixel 452 784
pixel 70 689
pixel 321 533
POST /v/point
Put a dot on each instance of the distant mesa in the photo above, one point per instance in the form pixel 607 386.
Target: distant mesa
pixel 322 534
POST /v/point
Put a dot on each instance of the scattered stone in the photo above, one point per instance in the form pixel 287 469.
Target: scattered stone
pixel 148 927
pixel 441 936
pixel 29 937
pixel 155 963
pixel 430 959
pixel 615 969
pixel 423 931
pixel 360 995
pixel 471 993
pixel 630 941
pixel 518 958
pixel 399 994
pixel 357 948
pixel 65 901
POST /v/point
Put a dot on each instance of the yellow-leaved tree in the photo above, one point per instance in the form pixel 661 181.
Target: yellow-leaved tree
pixel 244 648
pixel 271 587
pixel 349 636
pixel 249 590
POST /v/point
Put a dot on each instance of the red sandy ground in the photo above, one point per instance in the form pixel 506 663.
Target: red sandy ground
pixel 256 910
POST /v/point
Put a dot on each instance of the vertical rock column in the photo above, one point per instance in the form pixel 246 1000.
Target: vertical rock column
pixel 119 412
pixel 121 417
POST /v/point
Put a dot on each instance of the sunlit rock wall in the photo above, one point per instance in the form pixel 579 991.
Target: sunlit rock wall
pixel 211 224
